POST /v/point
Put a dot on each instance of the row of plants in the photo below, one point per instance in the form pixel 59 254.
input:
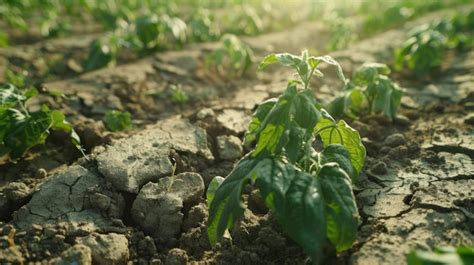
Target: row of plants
pixel 376 16
pixel 207 20
pixel 424 50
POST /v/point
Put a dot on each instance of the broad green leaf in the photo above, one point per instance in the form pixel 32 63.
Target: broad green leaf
pixel 283 58
pixel 275 128
pixel 273 178
pixel 302 214
pixel 340 208
pixel 338 153
pixel 298 138
pixel 337 107
pixel 212 188
pixel 227 206
pixel 387 97
pixel 257 118
pixel 343 134
pixel 27 131
pixel 305 112
pixel 118 121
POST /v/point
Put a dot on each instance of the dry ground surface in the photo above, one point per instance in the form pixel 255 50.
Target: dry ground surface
pixel 125 201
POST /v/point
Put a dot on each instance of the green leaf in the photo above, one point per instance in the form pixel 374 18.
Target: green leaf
pixel 302 214
pixel 338 153
pixel 257 118
pixel 27 131
pixel 275 128
pixel 282 58
pixel 227 206
pixel 343 134
pixel 329 60
pixel 340 211
pixel 273 180
pixel 386 97
pixel 305 112
pixel 118 121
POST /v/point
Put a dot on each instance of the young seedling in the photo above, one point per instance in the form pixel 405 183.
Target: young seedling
pixel 117 121
pixel 233 57
pixel 309 191
pixel 21 129
pixel 370 91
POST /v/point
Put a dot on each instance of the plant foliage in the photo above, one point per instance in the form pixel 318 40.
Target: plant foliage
pixel 118 121
pixel 310 192
pixel 370 91
pixel 21 129
pixel 233 57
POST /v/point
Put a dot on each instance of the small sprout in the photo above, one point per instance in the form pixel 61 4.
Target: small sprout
pixel 116 121
pixel 178 95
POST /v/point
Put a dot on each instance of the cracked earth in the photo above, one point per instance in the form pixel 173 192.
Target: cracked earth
pixel 139 197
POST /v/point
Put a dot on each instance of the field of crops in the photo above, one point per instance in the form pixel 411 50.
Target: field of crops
pixel 236 132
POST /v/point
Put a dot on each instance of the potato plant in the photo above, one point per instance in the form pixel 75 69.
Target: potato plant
pixel 233 58
pixel 370 91
pixel 21 129
pixel 308 190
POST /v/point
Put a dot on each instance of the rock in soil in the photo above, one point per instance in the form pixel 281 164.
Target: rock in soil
pixel 158 206
pixel 395 140
pixel 107 249
pixel 131 163
pixel 229 147
pixel 77 254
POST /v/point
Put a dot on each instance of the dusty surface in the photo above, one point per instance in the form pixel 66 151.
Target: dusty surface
pixel 138 196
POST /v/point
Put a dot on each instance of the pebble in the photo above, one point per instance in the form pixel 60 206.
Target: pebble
pixel 395 140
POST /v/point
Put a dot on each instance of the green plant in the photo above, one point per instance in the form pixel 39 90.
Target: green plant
pixel 103 52
pixel 178 95
pixel 233 57
pixel 21 129
pixel 118 121
pixel 370 91
pixel 424 50
pixel 309 192
pixel 245 21
pixel 202 26
pixel 442 256
pixel 159 32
